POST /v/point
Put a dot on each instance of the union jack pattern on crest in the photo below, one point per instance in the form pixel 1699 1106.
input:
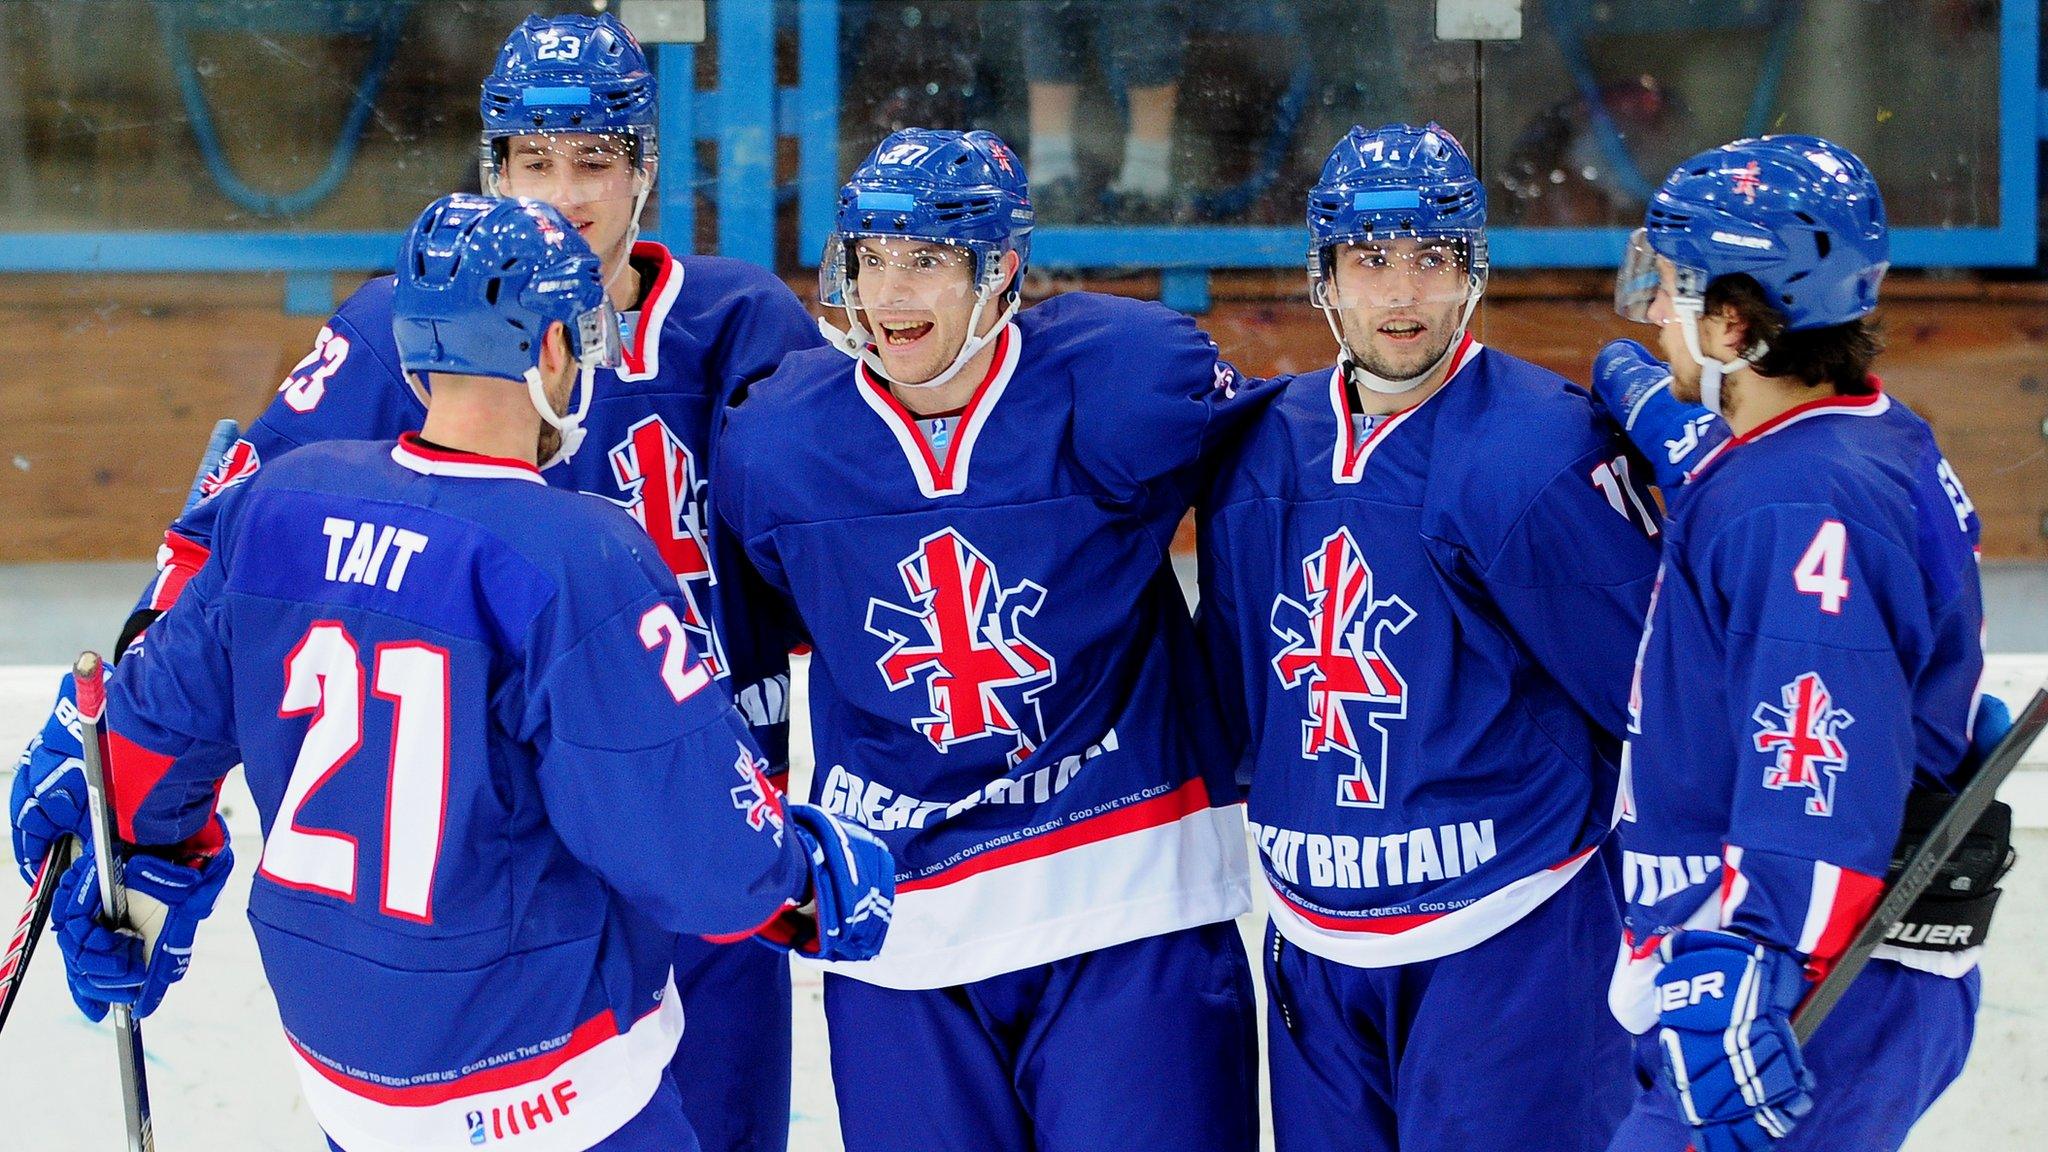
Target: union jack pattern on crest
pixel 961 635
pixel 756 796
pixel 658 475
pixel 238 465
pixel 1748 182
pixel 1336 652
pixel 1806 736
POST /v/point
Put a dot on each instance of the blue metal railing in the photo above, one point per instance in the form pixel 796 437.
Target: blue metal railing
pixel 746 115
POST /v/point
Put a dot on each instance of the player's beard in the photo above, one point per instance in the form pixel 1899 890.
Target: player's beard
pixel 1408 363
pixel 550 441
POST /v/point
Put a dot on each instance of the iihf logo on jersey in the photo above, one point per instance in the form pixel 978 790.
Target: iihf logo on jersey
pixel 1806 735
pixel 658 475
pixel 760 800
pixel 961 635
pixel 1337 654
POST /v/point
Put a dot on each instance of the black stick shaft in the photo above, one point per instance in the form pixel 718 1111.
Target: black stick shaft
pixel 1934 851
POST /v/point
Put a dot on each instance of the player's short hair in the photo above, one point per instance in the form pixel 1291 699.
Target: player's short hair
pixel 1837 356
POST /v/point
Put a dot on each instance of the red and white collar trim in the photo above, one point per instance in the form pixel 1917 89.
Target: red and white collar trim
pixel 427 461
pixel 934 477
pixel 1347 462
pixel 642 355
pixel 1875 404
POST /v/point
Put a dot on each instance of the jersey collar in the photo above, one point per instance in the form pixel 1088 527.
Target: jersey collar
pixel 641 359
pixel 948 477
pixel 1347 461
pixel 1875 404
pixel 410 453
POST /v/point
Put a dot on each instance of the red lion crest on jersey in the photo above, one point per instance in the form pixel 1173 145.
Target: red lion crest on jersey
pixel 961 634
pixel 1336 652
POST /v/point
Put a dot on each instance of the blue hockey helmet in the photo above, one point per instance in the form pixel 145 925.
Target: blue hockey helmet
pixel 1800 215
pixel 962 189
pixel 560 74
pixel 481 279
pixel 569 74
pixel 1397 182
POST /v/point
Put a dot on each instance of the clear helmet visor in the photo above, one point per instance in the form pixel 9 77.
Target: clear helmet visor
pixel 898 284
pixel 597 334
pixel 599 180
pixel 1646 278
pixel 1399 272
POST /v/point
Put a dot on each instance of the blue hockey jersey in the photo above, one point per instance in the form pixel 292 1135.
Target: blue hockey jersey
pixel 452 686
pixel 1814 652
pixel 1424 633
pixel 1004 682
pixel 706 328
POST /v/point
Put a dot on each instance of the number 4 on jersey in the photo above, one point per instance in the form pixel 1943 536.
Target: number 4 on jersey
pixel 1819 571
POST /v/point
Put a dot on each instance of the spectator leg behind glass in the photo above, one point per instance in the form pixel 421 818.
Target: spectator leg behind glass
pixel 1141 44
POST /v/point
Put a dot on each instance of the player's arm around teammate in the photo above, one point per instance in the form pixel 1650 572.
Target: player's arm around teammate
pixel 1810 663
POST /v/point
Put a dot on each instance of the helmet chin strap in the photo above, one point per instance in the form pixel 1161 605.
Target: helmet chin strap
pixel 1712 372
pixel 570 424
pixel 856 341
pixel 626 242
pixel 1356 371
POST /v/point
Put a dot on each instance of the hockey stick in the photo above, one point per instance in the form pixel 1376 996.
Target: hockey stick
pixel 36 914
pixel 92 706
pixel 29 929
pixel 225 434
pixel 1934 851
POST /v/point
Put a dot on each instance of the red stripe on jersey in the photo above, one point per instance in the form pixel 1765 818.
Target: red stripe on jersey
pixel 133 772
pixel 1393 925
pixel 1856 893
pixel 1184 801
pixel 411 444
pixel 177 562
pixel 634 355
pixel 1378 925
pixel 588 1035
pixel 1842 403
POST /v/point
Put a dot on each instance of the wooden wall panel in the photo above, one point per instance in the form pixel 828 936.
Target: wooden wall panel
pixel 108 385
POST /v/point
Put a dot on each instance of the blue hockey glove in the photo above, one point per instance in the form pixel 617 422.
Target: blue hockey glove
pixel 853 889
pixel 1992 721
pixel 1635 387
pixel 1724 1024
pixel 48 799
pixel 166 902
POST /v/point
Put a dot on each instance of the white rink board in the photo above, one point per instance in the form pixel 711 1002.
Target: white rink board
pixel 220 1081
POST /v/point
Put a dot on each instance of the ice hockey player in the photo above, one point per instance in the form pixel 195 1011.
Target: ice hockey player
pixel 972 515
pixel 495 777
pixel 1805 684
pixel 569 118
pixel 1424 573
